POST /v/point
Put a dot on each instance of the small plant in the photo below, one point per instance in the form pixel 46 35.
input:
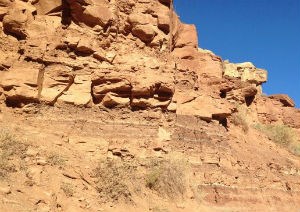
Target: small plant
pixel 113 180
pixel 10 147
pixel 5 167
pixel 67 189
pixel 55 159
pixel 167 177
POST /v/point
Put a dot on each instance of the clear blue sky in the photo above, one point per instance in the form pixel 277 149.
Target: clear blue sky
pixel 265 32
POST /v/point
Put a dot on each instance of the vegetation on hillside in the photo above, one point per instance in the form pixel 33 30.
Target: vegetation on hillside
pixel 282 135
pixel 10 147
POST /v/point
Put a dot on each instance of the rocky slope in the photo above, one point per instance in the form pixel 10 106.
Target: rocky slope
pixel 110 105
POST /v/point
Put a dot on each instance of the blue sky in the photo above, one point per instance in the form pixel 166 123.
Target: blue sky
pixel 265 32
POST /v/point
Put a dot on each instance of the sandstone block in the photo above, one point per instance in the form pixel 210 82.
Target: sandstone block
pixel 284 99
pixel 97 15
pixel 247 72
pixel 79 93
pixel 144 103
pixel 145 33
pixel 187 36
pixel 20 84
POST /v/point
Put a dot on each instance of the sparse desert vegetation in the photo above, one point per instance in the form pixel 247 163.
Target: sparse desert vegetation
pixel 167 177
pixel 114 179
pixel 55 159
pixel 282 135
pixel 10 147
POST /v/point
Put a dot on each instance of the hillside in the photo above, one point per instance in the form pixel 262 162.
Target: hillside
pixel 110 105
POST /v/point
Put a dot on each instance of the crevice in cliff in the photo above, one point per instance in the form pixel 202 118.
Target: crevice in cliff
pixel 221 119
pixel 223 94
pixel 18 101
pixel 249 100
pixel 66 17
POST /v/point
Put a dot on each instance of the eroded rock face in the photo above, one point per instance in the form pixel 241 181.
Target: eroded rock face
pixel 90 50
pixel 135 57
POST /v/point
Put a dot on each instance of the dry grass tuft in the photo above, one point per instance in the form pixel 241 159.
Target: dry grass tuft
pixel 282 135
pixel 167 178
pixel 10 147
pixel 114 179
pixel 55 159
pixel 67 189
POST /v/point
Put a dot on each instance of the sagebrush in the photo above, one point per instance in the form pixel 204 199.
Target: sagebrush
pixel 167 177
pixel 114 180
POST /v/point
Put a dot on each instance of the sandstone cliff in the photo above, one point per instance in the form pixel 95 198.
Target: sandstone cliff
pixel 117 108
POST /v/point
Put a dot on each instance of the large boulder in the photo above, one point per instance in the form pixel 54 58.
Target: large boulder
pixel 163 20
pixel 97 15
pixel 142 26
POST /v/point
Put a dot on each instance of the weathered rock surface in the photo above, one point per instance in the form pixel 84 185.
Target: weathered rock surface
pixel 126 81
pixel 284 99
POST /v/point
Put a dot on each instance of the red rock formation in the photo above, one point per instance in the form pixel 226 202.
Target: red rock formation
pixel 134 67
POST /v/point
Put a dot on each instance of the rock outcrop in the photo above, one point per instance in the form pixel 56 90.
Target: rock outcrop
pixel 133 74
